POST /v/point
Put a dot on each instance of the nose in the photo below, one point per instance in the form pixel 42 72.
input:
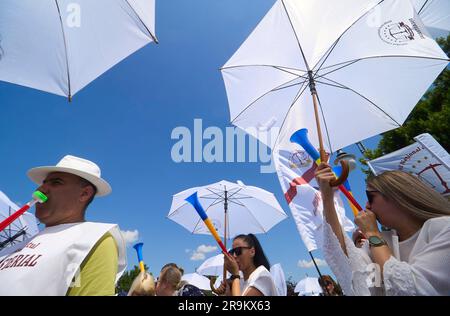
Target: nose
pixel 43 188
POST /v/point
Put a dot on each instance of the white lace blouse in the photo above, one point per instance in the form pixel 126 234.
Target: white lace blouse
pixel 419 266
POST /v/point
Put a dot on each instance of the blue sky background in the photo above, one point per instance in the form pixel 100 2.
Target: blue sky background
pixel 123 122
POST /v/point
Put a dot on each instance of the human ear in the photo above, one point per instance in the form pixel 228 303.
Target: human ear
pixel 86 193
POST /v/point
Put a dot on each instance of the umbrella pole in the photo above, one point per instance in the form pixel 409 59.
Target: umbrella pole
pixel 323 155
pixel 312 87
pixel 225 208
pixel 318 271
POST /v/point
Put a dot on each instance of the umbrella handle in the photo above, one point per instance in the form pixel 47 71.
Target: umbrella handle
pixel 211 285
pixel 300 137
pixel 344 175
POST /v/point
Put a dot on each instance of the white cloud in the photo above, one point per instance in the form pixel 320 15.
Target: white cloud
pixel 199 253
pixel 130 236
pixel 196 256
pixel 310 264
pixel 206 248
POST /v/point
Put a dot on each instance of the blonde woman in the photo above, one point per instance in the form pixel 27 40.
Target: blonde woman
pixel 412 259
pixel 170 283
pixel 143 285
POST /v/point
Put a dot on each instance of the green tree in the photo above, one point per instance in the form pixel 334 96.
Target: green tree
pixel 125 281
pixel 431 115
pixel 290 287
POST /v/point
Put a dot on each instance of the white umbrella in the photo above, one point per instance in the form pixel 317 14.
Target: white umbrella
pixel 435 14
pixel 366 62
pixel 248 209
pixel 60 46
pixel 211 266
pixel 308 287
pixel 197 280
pixel 23 228
pixel 233 208
pixel 279 279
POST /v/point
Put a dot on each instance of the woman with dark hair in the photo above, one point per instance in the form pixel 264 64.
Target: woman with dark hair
pixel 248 256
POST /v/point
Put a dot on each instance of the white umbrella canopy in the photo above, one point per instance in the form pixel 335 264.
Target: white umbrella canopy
pixel 435 14
pixel 23 228
pixel 197 280
pixel 211 266
pixel 250 209
pixel 308 286
pixel 279 279
pixel 60 46
pixel 370 60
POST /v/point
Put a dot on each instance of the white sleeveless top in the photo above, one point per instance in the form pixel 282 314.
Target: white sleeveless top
pixel 260 279
pixel 47 263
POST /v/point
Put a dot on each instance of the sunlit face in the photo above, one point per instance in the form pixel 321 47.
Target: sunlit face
pixel 385 211
pixel 243 254
pixel 66 197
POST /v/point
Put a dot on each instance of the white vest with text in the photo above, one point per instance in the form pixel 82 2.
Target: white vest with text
pixel 47 263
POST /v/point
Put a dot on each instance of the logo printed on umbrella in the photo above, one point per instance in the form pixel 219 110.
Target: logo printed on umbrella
pixel 299 159
pixel 399 33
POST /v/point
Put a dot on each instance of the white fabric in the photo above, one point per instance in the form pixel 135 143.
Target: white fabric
pixel 424 272
pixel 250 209
pixel 359 68
pixel 308 287
pixel 47 264
pixel 426 158
pixel 279 279
pixel 306 206
pixel 260 279
pixel 211 266
pixel 27 222
pixel 435 15
pixel 61 46
pixel 197 280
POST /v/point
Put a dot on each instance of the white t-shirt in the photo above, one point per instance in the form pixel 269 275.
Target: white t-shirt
pixel 260 279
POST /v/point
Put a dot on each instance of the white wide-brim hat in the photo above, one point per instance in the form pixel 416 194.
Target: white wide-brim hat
pixel 78 166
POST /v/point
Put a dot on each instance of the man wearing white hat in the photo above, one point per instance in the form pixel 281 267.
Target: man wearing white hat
pixel 70 256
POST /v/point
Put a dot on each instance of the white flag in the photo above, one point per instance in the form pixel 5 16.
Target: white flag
pixel 295 169
pixel 426 158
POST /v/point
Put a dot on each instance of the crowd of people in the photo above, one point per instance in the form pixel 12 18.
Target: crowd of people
pixel 71 256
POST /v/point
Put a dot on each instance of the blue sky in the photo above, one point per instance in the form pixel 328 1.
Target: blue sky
pixel 124 119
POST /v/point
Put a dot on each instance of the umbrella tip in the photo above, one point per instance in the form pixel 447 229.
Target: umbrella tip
pixel 240 183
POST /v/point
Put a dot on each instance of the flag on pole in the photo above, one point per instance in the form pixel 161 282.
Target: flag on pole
pixel 426 158
pixel 295 169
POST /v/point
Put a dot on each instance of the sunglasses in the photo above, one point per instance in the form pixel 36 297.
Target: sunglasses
pixel 237 251
pixel 370 195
